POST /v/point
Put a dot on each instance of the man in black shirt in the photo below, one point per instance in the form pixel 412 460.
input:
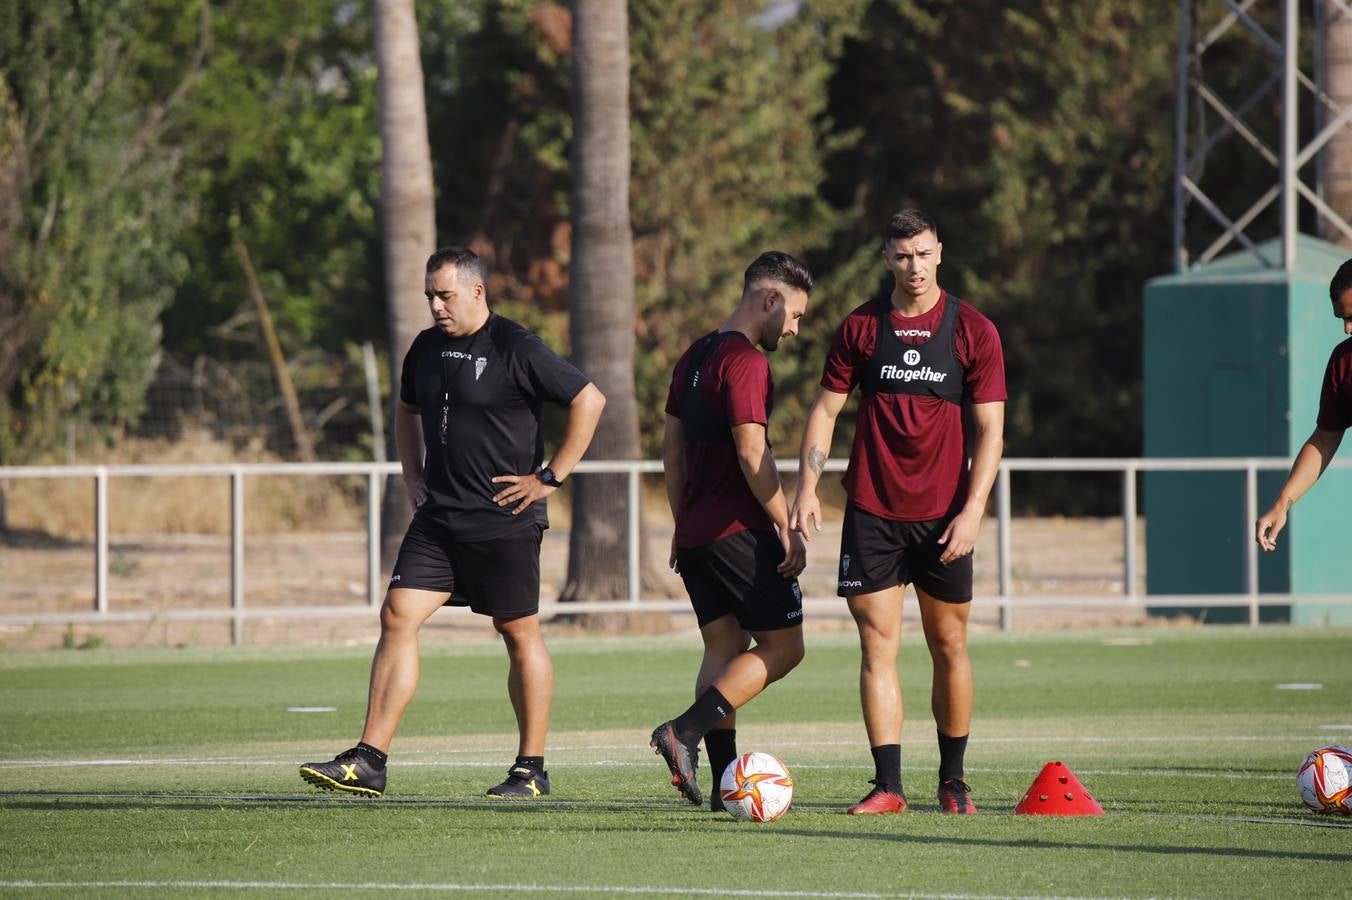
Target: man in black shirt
pixel 473 385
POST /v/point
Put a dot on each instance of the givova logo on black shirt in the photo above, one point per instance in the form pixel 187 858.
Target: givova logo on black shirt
pixel 480 362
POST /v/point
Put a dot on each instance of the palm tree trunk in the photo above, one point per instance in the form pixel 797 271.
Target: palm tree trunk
pixel 601 290
pixel 407 212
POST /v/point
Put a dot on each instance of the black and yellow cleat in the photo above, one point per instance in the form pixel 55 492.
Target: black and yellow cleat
pixel 523 783
pixel 349 771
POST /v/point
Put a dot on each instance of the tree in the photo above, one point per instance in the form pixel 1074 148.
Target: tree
pixel 89 206
pixel 278 149
pixel 601 290
pixel 406 201
pixel 1049 181
pixel 731 133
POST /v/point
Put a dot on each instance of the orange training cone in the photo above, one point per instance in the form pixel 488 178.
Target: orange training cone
pixel 1057 792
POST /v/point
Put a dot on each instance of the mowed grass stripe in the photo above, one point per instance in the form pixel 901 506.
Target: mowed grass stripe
pixel 504 888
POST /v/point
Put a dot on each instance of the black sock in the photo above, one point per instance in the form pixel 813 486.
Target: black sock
pixel 951 751
pixel 374 756
pixel 534 762
pixel 706 712
pixel 887 766
pixel 721 745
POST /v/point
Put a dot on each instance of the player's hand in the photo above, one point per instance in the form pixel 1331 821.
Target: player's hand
pixel 795 554
pixel 672 560
pixel 417 491
pixel 1270 525
pixel 805 509
pixel 959 538
pixel 523 490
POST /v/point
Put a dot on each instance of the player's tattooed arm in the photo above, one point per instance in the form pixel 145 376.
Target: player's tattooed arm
pixel 816 460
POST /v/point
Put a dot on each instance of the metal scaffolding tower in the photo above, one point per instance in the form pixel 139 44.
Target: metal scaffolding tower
pixel 1204 118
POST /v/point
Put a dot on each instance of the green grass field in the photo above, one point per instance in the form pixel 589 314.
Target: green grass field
pixel 132 773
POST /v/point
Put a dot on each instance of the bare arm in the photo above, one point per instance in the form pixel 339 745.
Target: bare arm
pixel 988 422
pixel 1314 457
pixel 583 413
pixel 408 442
pixel 673 472
pixel 821 425
pixel 673 461
pixel 758 468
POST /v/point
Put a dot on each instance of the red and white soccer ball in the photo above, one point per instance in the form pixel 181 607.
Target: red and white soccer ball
pixel 756 787
pixel 1325 780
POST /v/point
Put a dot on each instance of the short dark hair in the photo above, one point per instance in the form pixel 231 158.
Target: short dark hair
pixel 466 262
pixel 1342 280
pixel 775 265
pixel 908 223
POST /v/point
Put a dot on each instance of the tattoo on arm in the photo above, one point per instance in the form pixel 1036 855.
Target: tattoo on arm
pixel 816 460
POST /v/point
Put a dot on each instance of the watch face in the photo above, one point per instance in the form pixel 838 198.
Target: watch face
pixel 547 477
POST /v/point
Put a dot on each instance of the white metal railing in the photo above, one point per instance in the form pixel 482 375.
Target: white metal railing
pixel 375 473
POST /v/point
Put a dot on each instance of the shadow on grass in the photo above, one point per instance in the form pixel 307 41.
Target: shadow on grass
pixel 1120 804
pixel 57 801
pixel 84 801
pixel 1040 844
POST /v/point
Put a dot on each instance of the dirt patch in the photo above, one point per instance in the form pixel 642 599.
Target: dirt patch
pixel 1051 557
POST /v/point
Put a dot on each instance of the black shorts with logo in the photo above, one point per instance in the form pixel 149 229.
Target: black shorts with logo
pixel 878 553
pixel 499 577
pixel 737 575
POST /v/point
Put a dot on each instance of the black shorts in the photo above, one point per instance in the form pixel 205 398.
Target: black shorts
pixel 737 575
pixel 499 577
pixel 878 553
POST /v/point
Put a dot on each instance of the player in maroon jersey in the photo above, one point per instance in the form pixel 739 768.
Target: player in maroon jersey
pixel 925 362
pixel 1335 417
pixel 732 546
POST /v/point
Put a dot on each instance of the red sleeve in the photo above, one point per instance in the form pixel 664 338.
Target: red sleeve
pixel 981 356
pixel 746 385
pixel 851 347
pixel 1335 396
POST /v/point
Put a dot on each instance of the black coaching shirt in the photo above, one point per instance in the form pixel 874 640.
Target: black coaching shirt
pixel 489 388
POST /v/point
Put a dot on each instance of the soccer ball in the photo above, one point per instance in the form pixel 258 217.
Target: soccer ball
pixel 756 787
pixel 1325 780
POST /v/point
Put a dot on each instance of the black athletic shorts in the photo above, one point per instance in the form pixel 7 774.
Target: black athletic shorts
pixel 878 553
pixel 736 575
pixel 499 577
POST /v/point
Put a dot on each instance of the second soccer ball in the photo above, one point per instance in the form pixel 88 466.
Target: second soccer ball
pixel 756 787
pixel 1325 780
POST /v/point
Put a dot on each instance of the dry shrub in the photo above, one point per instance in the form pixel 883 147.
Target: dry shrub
pixel 64 507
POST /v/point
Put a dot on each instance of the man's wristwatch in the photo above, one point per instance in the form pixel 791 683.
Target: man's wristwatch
pixel 546 476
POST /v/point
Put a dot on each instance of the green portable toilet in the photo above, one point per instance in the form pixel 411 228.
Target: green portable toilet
pixel 1234 356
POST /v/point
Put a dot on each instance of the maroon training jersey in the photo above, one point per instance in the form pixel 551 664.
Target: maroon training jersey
pixel 1335 398
pixel 716 502
pixel 909 462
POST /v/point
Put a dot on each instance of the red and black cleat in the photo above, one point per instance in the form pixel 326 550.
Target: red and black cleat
pixel 882 800
pixel 956 797
pixel 681 758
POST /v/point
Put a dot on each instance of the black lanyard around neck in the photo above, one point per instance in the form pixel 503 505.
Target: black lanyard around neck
pixel 446 377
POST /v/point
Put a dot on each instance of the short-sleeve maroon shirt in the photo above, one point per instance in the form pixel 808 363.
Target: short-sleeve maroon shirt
pixel 908 463
pixel 1335 397
pixel 717 501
